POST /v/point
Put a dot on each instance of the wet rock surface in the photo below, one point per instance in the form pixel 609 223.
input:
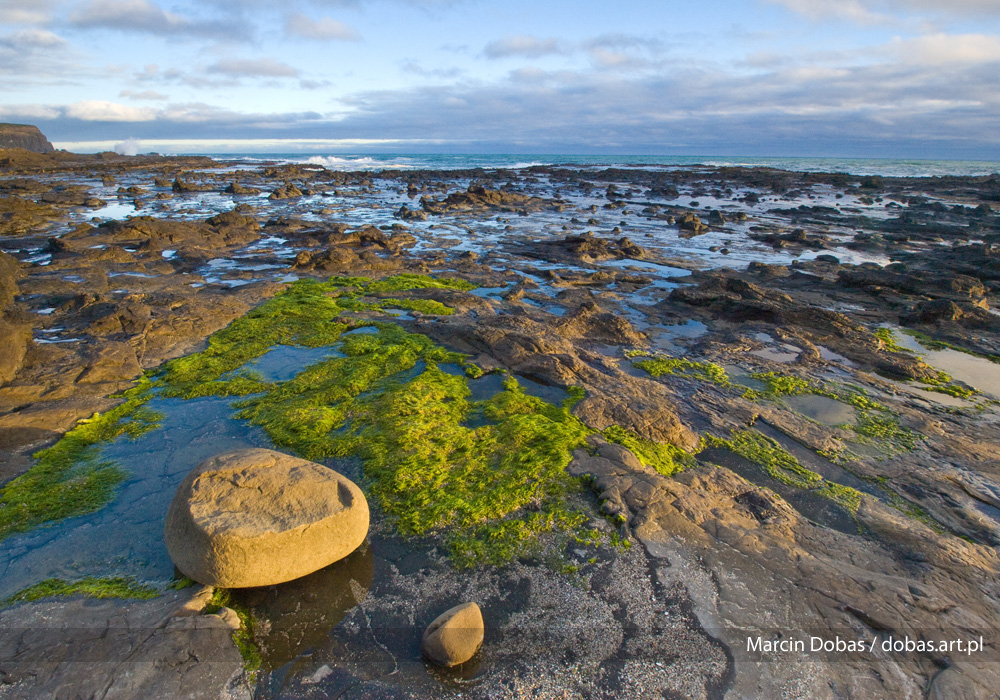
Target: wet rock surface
pixel 162 648
pixel 690 305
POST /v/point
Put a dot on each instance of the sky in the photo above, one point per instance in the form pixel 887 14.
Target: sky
pixel 840 78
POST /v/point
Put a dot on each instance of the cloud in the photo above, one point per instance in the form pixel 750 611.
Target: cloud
pixel 619 41
pixel 38 56
pixel 314 84
pixel 102 111
pixel 147 17
pixel 872 12
pixel 133 15
pixel 322 29
pixel 606 52
pixel 253 67
pixel 851 10
pixel 414 68
pixel 934 95
pixel 523 45
pixel 604 58
pixel 938 49
pixel 144 95
pixel 30 39
pixel 29 112
pixel 25 11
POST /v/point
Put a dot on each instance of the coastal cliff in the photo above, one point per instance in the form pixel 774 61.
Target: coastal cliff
pixel 24 136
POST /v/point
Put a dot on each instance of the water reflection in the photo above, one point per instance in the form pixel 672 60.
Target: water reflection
pixel 299 615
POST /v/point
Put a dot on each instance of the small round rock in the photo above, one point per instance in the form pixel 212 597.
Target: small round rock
pixel 258 517
pixel 454 636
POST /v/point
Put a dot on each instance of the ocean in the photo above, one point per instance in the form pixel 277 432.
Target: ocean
pixel 854 166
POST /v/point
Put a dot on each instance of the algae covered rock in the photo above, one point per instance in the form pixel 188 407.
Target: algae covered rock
pixel 454 636
pixel 258 517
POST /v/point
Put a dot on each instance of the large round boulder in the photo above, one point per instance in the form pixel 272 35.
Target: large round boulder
pixel 455 635
pixel 258 517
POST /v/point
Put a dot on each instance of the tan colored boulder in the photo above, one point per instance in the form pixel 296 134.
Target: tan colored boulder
pixel 258 517
pixel 454 636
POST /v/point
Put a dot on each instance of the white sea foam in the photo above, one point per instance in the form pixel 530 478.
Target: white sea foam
pixel 360 163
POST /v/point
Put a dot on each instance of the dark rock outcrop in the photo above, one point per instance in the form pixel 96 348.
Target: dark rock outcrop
pixel 479 198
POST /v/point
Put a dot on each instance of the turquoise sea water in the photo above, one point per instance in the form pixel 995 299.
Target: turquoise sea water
pixel 855 166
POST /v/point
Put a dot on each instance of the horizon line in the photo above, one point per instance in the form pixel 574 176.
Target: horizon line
pixel 305 146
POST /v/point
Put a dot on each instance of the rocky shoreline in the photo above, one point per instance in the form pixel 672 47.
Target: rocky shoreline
pixel 781 387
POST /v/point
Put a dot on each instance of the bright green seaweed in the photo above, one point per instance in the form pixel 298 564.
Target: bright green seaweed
pixel 782 466
pixel 487 490
pixel 487 477
pixel 659 366
pixel 91 587
pixel 70 478
pixel 389 403
pixel 665 458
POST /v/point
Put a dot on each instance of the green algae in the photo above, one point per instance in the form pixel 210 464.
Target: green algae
pixel 424 306
pixel 488 491
pixel 244 638
pixel 181 583
pixel 944 383
pixel 934 344
pixel 885 431
pixel 407 281
pixel 876 425
pixel 659 366
pixel 782 466
pixel 665 458
pixel 308 313
pixel 117 587
pixel 888 340
pixel 69 478
pixel 777 385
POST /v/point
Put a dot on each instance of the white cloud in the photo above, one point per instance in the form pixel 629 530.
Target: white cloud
pixel 523 45
pixel 606 52
pixel 322 29
pixel 103 111
pixel 605 58
pixel 886 11
pixel 24 11
pixel 852 10
pixel 29 112
pixel 29 39
pixel 253 67
pixel 140 15
pixel 148 17
pixel 38 56
pixel 144 95
pixel 938 49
